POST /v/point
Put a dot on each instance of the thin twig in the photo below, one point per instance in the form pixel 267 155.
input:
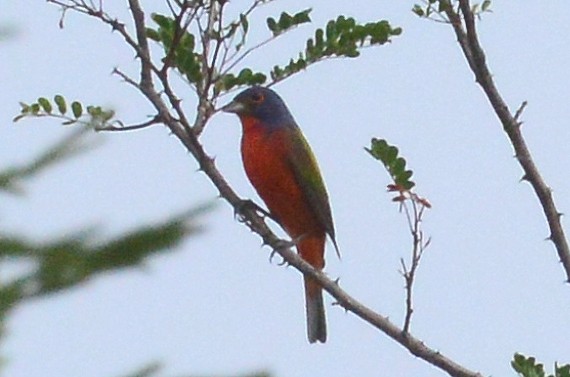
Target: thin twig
pixel 122 127
pixel 520 111
pixel 418 246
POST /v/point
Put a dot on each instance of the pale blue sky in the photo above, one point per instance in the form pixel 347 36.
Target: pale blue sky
pixel 489 285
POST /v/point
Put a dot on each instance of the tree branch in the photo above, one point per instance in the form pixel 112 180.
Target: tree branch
pixel 180 127
pixel 142 43
pixel 467 38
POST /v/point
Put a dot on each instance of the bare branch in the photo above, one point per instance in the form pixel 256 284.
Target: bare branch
pixel 235 61
pixel 122 127
pixel 125 77
pixel 467 38
pixel 414 218
pixel 142 44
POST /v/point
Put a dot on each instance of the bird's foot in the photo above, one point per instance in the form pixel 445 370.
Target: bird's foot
pixel 281 244
pixel 249 205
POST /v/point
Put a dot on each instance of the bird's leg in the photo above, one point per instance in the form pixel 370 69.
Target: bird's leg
pixel 294 241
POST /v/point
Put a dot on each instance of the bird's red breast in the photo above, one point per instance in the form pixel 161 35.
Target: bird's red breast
pixel 265 158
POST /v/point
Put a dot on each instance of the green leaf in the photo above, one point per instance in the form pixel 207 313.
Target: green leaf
pixel 77 109
pixel 398 166
pixel 330 30
pixel 244 23
pixel 391 154
pixel 302 17
pixel 342 37
pixel 162 21
pixel 285 21
pixel 152 34
pixel 443 6
pixel 60 103
pixel 229 81
pixel 45 104
pixel 319 39
pixel 93 110
pixel 272 25
pixel 527 367
pixel 187 42
pixel 35 108
pixel 245 75
pixel 395 165
pixel 418 10
pixel 562 371
pixel 258 79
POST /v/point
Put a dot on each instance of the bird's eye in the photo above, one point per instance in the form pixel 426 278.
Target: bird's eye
pixel 257 98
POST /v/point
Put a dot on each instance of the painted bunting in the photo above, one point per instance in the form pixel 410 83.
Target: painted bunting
pixel 283 170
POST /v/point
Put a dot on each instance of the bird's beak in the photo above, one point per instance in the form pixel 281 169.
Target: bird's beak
pixel 234 107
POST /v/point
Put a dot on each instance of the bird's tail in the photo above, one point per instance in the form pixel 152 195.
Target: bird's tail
pixel 312 250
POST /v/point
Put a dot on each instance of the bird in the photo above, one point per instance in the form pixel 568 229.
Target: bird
pixel 283 170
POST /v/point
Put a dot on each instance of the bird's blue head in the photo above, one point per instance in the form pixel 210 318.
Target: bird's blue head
pixel 263 104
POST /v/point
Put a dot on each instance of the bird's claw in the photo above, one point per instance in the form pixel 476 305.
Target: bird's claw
pixel 248 205
pixel 273 253
pixel 280 244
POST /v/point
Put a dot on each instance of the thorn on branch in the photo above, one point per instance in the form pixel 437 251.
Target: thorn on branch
pixel 519 112
pixel 116 25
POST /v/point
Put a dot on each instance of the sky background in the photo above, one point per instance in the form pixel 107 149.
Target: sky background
pixel 488 286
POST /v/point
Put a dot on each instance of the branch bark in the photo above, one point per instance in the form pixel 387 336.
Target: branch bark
pixel 463 23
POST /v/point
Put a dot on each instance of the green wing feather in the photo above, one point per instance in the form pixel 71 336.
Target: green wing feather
pixel 308 175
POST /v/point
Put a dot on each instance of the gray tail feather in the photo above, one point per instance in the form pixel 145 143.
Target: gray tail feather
pixel 316 320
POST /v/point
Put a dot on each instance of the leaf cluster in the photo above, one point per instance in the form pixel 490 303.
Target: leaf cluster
pixel 395 165
pixel 12 178
pixel 71 260
pixel 528 367
pixel 96 116
pixel 287 21
pixel 343 37
pixel 65 262
pixel 438 7
pixel 245 77
pixel 179 46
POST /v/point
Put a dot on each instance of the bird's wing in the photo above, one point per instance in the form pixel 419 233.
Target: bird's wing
pixel 308 176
